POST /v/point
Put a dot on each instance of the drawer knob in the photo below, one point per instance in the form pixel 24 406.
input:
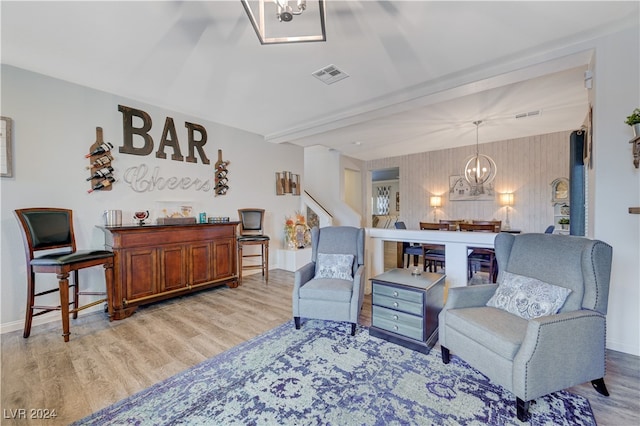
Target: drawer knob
pixel 395 317
pixel 395 304
pixel 395 327
pixel 395 294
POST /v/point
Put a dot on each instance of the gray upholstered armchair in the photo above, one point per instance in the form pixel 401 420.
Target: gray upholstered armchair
pixel 518 341
pixel 331 286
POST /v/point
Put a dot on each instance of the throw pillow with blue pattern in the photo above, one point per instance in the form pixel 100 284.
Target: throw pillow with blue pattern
pixel 528 297
pixel 338 266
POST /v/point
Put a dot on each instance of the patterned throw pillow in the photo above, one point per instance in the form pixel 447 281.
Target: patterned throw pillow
pixel 334 266
pixel 527 297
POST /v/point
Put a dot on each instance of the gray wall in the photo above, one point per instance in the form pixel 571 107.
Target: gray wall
pixel 54 123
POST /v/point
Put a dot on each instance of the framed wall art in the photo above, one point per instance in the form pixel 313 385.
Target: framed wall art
pixel 6 155
pixel 461 190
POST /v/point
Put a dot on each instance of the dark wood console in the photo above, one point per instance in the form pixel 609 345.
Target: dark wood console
pixel 405 308
pixel 156 262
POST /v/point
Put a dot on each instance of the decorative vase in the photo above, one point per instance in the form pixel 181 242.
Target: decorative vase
pixel 290 241
pixel 636 130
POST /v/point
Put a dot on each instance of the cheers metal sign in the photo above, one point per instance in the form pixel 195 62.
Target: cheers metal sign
pixel 142 178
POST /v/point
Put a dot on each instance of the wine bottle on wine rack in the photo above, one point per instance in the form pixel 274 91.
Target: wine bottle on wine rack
pixel 102 161
pixel 100 157
pixel 102 173
pixel 105 183
pixel 104 147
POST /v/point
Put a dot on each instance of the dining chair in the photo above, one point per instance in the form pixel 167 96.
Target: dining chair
pixel 51 230
pixel 433 254
pixel 453 224
pixel 478 227
pixel 251 233
pixel 429 226
pixel 409 249
pixel 481 258
pixel 497 224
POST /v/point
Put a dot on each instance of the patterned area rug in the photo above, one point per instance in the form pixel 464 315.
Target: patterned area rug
pixel 321 375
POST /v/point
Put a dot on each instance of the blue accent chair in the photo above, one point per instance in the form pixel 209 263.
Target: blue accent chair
pixel 329 298
pixel 535 357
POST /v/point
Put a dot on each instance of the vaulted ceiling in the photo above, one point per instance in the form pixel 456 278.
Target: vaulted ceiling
pixel 420 72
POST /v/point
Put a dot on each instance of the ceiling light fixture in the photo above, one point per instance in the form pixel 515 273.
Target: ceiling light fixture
pixel 274 23
pixel 479 169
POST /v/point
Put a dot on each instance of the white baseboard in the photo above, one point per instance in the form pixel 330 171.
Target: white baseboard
pixel 44 319
pixel 622 347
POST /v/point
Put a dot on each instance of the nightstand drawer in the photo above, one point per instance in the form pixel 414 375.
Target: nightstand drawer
pixel 397 293
pixel 398 304
pixel 397 322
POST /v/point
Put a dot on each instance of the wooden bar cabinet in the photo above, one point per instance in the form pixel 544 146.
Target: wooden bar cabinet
pixel 156 262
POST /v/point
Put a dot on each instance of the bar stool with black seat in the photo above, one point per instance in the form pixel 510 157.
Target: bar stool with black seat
pixel 252 233
pixel 49 229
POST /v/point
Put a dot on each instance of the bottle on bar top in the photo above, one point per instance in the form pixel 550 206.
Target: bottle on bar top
pixel 102 161
pixel 102 184
pixel 102 173
pixel 105 147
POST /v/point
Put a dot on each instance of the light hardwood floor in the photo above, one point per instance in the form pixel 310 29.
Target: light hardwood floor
pixel 105 362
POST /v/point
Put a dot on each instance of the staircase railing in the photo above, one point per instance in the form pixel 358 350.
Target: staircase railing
pixel 324 218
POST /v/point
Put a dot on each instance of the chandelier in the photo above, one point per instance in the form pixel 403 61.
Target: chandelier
pixel 285 21
pixel 479 169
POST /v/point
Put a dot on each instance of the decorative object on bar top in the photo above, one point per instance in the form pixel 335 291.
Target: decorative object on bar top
pixel 112 217
pixel 479 169
pixel 435 201
pixel 100 169
pixel 221 180
pixel 141 216
pixel 218 219
pixel 297 234
pixel 287 183
pixel 176 215
pixel 506 199
pixel 270 20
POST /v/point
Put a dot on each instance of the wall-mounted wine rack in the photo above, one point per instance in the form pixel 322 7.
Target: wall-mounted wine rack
pixel 100 158
pixel 221 179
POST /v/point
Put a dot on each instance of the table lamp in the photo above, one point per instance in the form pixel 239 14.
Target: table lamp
pixel 506 199
pixel 435 202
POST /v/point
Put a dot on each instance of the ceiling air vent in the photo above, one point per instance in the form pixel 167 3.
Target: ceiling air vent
pixel 529 114
pixel 330 74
